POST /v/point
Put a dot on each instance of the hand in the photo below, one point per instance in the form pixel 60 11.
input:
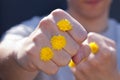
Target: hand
pixel 28 51
pixel 101 66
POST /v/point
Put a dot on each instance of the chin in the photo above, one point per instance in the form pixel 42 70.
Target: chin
pixel 93 15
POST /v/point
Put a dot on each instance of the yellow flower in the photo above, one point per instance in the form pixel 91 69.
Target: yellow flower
pixel 46 54
pixel 64 25
pixel 58 42
pixel 94 47
pixel 71 64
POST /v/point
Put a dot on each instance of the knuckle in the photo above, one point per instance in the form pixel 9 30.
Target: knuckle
pixel 38 38
pixel 31 54
pixel 30 50
pixel 74 50
pixel 108 52
pixel 87 50
pixel 110 43
pixel 85 68
pixel 46 21
pixel 64 62
pixel 57 12
pixel 91 33
pixel 82 37
pixel 94 63
pixel 94 36
pixel 35 39
pixel 106 56
pixel 112 50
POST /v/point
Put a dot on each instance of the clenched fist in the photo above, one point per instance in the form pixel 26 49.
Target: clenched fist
pixel 29 50
pixel 102 65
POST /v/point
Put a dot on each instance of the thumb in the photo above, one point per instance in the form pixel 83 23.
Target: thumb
pixel 82 54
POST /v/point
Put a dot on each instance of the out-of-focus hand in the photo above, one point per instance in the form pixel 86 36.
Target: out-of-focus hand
pixel 28 50
pixel 102 65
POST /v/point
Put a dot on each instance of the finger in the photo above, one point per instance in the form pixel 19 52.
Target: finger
pixel 48 67
pixel 83 53
pixel 93 36
pixel 86 70
pixel 95 65
pixel 105 50
pixel 78 75
pixel 61 58
pixel 49 28
pixel 98 39
pixel 77 31
pixel 110 42
pixel 40 41
pixel 38 64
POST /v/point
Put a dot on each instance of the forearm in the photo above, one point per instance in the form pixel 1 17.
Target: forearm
pixel 9 68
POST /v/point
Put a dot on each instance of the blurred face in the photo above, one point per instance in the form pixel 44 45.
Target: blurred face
pixel 90 8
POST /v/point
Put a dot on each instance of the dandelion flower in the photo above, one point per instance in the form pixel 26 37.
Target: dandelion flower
pixel 46 54
pixel 58 42
pixel 71 64
pixel 94 47
pixel 64 25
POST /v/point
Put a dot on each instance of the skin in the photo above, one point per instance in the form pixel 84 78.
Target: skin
pixel 90 15
pixel 24 59
pixel 102 66
pixel 94 17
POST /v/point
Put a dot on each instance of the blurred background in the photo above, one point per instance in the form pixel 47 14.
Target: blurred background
pixel 13 12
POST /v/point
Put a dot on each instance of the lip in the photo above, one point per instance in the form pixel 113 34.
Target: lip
pixel 92 2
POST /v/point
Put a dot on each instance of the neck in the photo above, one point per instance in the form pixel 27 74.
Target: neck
pixel 97 24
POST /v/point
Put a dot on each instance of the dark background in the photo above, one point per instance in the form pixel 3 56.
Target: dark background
pixel 12 12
